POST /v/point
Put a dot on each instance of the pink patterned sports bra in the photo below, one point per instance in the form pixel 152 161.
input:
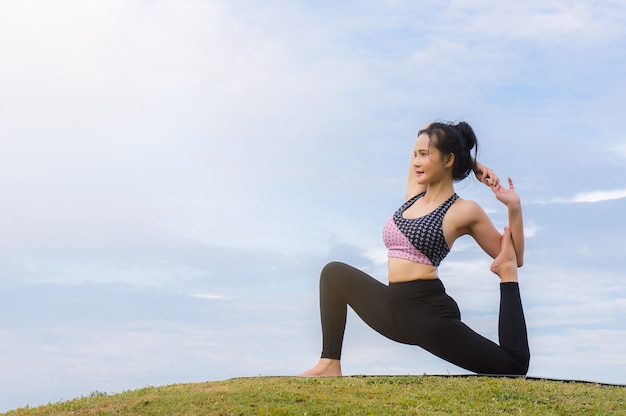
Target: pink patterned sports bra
pixel 420 240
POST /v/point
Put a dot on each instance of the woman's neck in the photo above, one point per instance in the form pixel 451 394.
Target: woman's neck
pixel 438 191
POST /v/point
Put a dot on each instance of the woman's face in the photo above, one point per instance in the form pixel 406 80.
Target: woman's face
pixel 427 160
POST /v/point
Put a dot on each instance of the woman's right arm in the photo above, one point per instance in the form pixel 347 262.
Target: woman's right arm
pixel 511 199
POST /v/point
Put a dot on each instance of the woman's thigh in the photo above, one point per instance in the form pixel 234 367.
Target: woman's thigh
pixel 367 296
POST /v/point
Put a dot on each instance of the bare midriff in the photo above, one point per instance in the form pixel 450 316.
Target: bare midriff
pixel 401 270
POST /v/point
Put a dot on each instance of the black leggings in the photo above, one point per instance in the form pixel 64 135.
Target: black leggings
pixel 420 313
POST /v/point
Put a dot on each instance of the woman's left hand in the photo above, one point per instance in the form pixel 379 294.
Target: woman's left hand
pixel 504 195
pixel 485 175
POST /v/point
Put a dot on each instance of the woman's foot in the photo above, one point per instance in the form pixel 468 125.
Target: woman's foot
pixel 505 264
pixel 325 367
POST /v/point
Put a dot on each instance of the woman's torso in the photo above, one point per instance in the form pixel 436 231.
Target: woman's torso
pixel 453 226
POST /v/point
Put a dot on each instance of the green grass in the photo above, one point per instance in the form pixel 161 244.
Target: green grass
pixel 404 395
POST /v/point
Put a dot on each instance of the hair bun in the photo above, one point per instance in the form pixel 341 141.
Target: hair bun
pixel 469 137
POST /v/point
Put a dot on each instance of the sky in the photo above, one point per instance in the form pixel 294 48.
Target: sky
pixel 175 174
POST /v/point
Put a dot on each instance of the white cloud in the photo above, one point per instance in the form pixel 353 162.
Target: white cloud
pixel 531 230
pixel 599 196
pixel 587 197
pixel 541 21
pixel 620 149
pixel 377 255
pixel 580 354
pixel 594 313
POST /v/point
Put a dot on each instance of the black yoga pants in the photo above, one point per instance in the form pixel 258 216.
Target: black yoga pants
pixel 420 313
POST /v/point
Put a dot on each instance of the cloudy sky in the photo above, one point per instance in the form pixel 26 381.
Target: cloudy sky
pixel 174 175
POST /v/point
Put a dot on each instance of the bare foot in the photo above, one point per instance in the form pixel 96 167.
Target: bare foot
pixel 505 264
pixel 325 367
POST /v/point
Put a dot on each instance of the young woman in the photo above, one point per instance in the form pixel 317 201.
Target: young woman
pixel 414 307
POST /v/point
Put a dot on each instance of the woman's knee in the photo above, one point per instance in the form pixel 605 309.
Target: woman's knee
pixel 332 269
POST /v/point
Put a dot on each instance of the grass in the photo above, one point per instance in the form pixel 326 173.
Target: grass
pixel 380 395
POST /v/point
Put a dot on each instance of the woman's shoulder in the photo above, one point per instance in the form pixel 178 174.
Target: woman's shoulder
pixel 462 216
pixel 466 207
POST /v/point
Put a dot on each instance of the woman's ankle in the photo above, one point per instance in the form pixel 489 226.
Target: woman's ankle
pixel 325 367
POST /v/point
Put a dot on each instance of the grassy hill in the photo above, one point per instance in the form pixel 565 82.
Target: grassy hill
pixel 380 395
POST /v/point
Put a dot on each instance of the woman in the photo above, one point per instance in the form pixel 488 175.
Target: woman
pixel 414 308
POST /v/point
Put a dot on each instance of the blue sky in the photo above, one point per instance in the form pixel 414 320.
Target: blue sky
pixel 176 173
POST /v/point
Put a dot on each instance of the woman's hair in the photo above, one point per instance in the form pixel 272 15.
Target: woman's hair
pixel 456 138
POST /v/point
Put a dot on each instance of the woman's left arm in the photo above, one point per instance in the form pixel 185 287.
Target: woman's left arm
pixel 511 199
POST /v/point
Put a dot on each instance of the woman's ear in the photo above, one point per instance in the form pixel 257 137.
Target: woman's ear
pixel 449 160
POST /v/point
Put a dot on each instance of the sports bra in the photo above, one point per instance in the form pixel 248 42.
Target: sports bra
pixel 420 240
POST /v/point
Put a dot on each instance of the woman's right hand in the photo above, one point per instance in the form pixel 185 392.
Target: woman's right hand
pixel 506 196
